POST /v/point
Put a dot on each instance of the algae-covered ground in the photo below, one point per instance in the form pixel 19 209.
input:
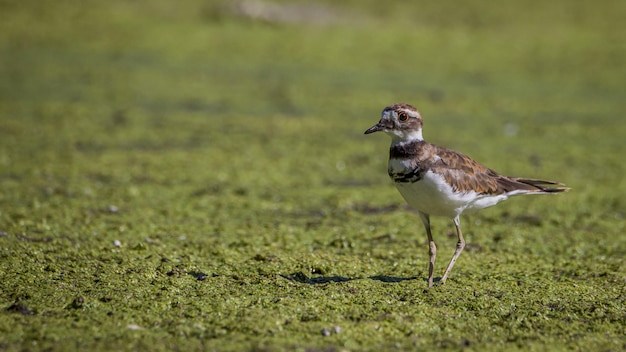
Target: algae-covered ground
pixel 194 175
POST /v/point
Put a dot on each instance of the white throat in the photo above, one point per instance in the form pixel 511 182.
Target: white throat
pixel 400 137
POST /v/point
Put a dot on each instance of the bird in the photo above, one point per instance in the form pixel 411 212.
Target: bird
pixel 442 182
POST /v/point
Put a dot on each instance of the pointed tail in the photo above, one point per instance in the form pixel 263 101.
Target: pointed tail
pixel 542 185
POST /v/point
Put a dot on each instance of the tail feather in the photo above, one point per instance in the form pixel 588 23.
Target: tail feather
pixel 542 185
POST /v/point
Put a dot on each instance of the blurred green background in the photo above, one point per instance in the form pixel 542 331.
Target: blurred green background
pixel 194 176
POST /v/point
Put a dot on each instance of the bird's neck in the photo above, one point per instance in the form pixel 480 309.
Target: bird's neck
pixel 406 137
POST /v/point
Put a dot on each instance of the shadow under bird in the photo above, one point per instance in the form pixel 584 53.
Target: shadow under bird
pixel 442 182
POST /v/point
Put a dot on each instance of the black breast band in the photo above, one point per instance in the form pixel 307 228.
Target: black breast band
pixel 409 177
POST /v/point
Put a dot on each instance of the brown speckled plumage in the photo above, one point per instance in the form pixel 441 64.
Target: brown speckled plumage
pixel 464 173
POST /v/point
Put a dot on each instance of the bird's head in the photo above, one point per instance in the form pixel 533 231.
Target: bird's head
pixel 401 121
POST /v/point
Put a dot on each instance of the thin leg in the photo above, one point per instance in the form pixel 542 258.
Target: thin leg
pixel 459 248
pixel 432 248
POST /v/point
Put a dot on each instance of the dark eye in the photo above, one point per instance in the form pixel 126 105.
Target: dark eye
pixel 403 116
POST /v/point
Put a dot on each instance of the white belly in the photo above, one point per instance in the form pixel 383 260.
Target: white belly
pixel 432 195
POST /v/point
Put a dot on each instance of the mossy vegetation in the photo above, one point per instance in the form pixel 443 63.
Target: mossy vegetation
pixel 191 177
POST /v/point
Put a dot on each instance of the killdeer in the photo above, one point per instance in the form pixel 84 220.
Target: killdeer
pixel 442 182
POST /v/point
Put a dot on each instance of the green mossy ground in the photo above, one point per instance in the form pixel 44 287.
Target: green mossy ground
pixel 177 177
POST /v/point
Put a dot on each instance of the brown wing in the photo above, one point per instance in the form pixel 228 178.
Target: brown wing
pixel 466 174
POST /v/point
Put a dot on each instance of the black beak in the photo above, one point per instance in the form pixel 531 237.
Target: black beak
pixel 377 127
